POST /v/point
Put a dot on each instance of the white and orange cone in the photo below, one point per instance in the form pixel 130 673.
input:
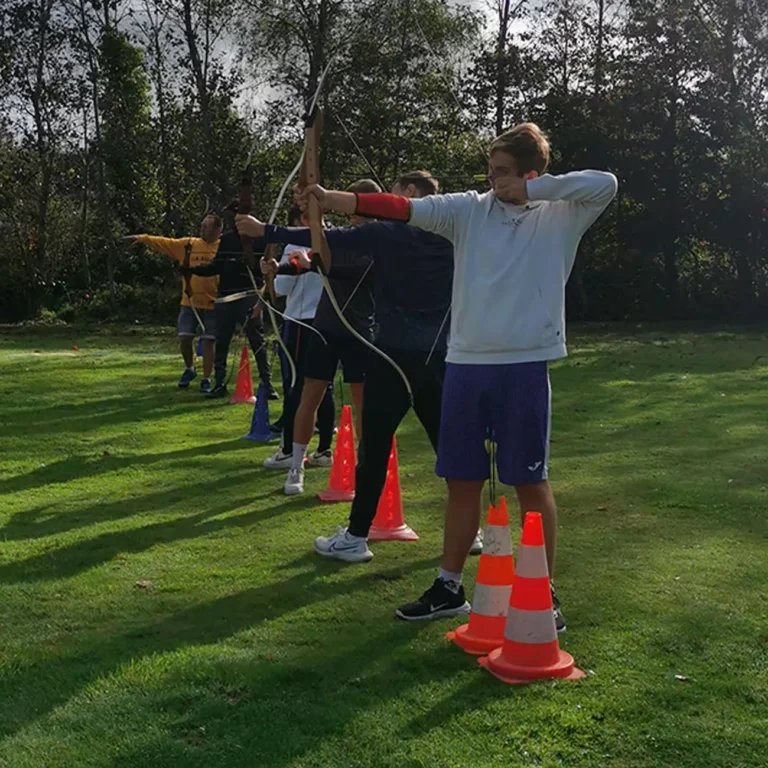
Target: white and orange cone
pixel 493 585
pixel 530 650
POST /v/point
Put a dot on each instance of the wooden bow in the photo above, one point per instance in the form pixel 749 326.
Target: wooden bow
pixel 245 205
pixel 310 174
pixel 188 283
pixel 321 253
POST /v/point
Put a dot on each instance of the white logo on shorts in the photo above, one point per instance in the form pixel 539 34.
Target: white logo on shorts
pixel 534 467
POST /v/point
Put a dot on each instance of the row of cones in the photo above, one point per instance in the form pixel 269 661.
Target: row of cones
pixel 512 624
pixel 389 523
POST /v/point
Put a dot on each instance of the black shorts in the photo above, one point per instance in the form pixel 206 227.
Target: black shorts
pixel 323 360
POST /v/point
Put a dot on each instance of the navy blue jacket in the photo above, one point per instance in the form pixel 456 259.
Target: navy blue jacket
pixel 412 278
pixel 350 281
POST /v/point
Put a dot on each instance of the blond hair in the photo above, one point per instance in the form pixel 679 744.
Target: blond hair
pixel 527 144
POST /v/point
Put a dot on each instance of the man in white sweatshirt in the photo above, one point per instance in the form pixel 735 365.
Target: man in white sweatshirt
pixel 514 248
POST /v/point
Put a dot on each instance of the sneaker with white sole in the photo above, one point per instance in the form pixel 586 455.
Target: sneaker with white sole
pixel 344 546
pixel 477 544
pixel 294 484
pixel 442 599
pixel 279 460
pixel 320 459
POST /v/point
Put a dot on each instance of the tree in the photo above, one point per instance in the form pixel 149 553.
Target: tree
pixel 127 133
pixel 40 94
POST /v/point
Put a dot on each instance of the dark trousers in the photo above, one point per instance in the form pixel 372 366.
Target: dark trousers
pixel 296 340
pixel 385 404
pixel 228 316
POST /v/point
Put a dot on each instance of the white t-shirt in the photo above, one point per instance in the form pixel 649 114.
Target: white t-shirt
pixel 302 292
pixel 512 263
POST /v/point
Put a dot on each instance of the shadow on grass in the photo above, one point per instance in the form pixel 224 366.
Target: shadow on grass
pixel 304 703
pixel 82 555
pixel 92 415
pixel 32 691
pixel 81 467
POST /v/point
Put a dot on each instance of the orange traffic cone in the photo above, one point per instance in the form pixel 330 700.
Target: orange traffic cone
pixel 531 650
pixel 485 630
pixel 341 484
pixel 389 525
pixel 244 386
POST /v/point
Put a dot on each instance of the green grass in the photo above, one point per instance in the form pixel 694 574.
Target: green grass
pixel 248 650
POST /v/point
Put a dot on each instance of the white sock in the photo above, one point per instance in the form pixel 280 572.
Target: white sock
pixel 447 576
pixel 297 457
pixel 191 368
pixel 355 539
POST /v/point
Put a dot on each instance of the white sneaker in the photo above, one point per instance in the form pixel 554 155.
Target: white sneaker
pixel 342 546
pixel 477 545
pixel 294 483
pixel 279 461
pixel 317 459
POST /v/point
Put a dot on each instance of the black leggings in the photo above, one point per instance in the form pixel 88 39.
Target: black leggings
pixel 385 404
pixel 228 315
pixel 296 339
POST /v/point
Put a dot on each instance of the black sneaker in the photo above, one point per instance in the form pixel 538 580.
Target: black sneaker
pixel 219 391
pixel 273 394
pixel 438 601
pixel 187 377
pixel 276 428
pixel 559 618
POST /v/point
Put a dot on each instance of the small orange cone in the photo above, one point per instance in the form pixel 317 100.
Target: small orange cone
pixel 244 386
pixel 341 484
pixel 531 650
pixel 389 525
pixel 493 585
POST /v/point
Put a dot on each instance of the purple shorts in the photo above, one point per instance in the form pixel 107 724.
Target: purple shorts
pixel 509 404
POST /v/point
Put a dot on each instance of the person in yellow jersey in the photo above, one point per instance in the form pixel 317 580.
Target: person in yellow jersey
pixel 196 315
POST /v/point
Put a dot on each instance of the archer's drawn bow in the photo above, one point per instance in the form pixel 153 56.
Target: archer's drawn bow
pixel 321 253
pixel 188 283
pixel 245 203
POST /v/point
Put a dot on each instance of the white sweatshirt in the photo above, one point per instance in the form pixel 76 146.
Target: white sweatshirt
pixel 512 263
pixel 302 292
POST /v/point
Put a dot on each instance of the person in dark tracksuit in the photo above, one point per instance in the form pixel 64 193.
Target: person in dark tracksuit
pixel 233 275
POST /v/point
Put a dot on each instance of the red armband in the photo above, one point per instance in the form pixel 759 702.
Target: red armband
pixel 384 206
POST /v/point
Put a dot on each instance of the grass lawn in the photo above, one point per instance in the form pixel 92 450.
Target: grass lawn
pixel 248 650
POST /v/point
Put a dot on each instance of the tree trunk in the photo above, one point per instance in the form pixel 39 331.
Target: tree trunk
pixel 402 70
pixel 101 176
pixel 670 234
pixel 738 239
pixel 44 157
pixel 84 202
pixel 672 205
pixel 203 96
pixel 162 115
pixel 598 84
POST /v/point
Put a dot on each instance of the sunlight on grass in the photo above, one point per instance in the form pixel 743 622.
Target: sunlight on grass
pixel 244 649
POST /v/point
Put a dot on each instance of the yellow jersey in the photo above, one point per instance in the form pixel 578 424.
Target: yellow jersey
pixel 204 289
